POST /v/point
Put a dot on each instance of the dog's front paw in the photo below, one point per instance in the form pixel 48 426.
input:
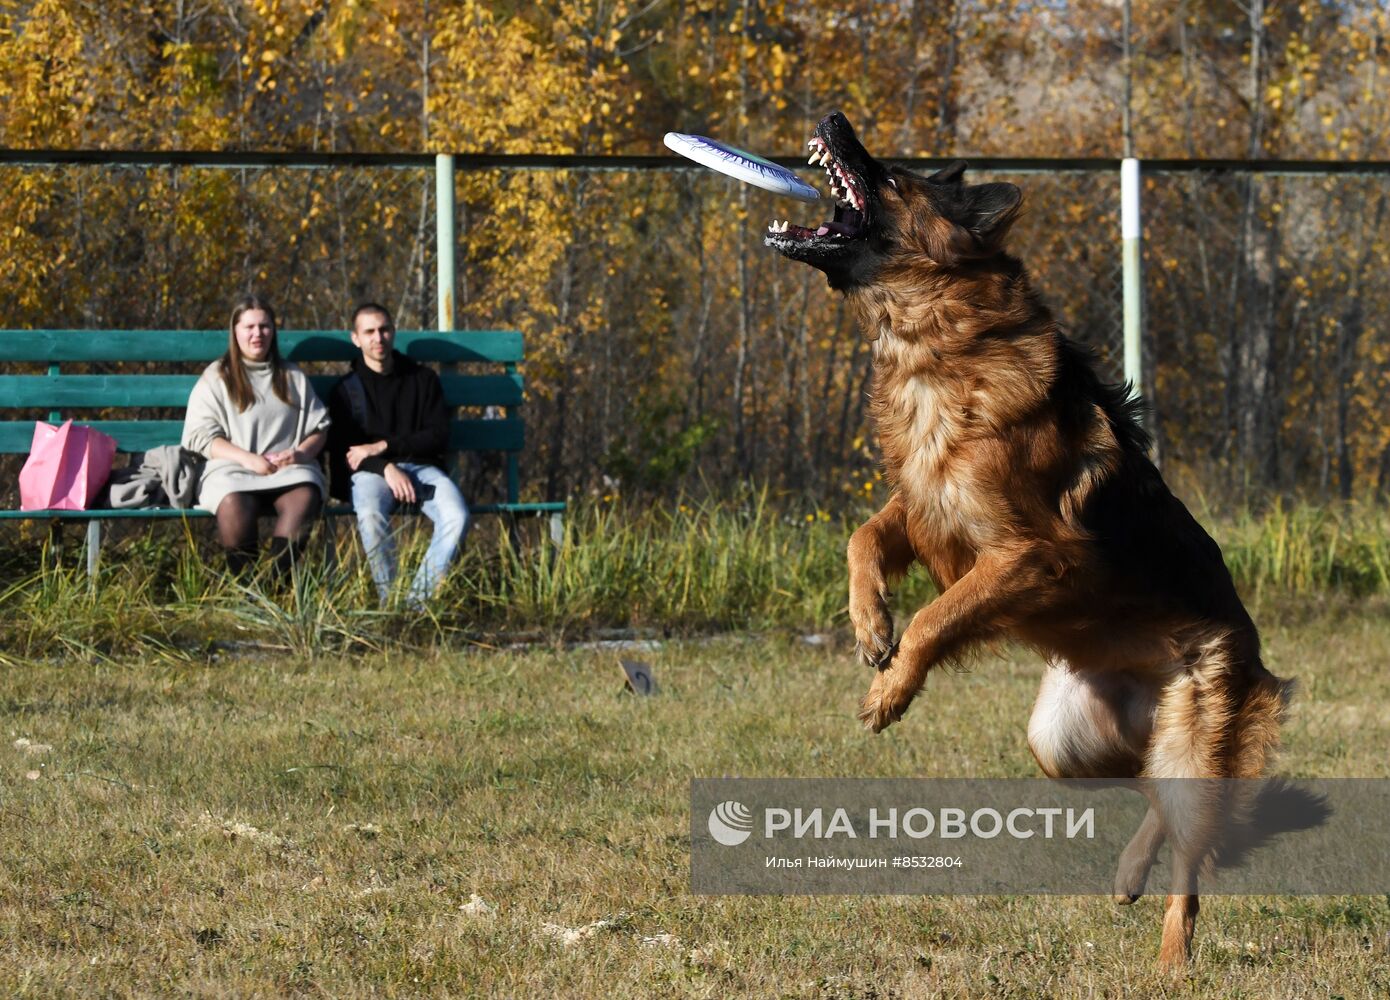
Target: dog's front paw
pixel 873 630
pixel 885 703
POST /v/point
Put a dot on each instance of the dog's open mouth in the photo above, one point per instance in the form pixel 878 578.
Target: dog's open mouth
pixel 851 217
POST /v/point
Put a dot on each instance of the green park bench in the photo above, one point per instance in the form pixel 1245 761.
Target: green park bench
pixel 111 402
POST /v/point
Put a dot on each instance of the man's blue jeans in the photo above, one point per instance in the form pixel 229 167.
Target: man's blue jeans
pixel 374 503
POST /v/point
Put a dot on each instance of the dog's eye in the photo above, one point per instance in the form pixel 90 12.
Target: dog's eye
pixel 893 183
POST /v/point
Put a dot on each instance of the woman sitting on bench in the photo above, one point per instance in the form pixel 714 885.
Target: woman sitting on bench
pixel 256 419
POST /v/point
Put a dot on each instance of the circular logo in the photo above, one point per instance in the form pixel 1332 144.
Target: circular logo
pixel 730 823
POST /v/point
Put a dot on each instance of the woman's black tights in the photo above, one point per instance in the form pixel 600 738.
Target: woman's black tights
pixel 294 507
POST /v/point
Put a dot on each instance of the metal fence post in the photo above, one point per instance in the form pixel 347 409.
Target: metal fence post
pixel 1131 233
pixel 445 273
pixel 444 236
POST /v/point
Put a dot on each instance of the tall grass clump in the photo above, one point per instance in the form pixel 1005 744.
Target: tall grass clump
pixel 680 567
pixel 690 565
pixel 319 610
pixel 57 610
pixel 1306 548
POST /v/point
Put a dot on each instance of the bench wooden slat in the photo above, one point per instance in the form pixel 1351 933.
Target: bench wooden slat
pixel 140 435
pixel 114 391
pixel 67 346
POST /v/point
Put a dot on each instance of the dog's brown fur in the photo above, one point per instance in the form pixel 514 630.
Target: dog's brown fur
pixel 1022 484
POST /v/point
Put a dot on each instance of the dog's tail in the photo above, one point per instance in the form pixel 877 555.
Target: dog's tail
pixel 1255 727
pixel 1251 810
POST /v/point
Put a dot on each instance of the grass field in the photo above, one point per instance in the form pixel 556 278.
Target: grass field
pixel 261 825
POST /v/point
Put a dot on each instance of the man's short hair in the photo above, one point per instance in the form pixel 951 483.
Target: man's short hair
pixel 372 307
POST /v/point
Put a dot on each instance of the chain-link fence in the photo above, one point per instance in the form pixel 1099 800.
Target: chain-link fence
pixel 669 349
pixel 1267 296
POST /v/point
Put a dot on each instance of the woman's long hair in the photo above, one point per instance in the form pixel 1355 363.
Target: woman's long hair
pixel 234 374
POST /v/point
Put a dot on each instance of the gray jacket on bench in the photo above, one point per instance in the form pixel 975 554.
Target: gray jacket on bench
pixel 168 474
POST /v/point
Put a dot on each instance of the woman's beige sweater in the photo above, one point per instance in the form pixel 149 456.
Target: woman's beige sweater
pixel 266 426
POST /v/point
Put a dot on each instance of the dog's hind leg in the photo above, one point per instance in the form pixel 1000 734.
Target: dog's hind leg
pixel 1137 858
pixel 1186 760
pixel 1257 734
pixel 1090 724
pixel 879 553
pixel 1096 724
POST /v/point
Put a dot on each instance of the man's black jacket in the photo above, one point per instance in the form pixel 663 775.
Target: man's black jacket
pixel 405 409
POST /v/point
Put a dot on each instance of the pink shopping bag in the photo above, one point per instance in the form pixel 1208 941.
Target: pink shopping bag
pixel 66 468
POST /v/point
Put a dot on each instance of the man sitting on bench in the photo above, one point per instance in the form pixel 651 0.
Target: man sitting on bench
pixel 387 440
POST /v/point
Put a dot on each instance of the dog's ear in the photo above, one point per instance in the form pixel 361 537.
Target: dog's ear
pixel 949 175
pixel 992 209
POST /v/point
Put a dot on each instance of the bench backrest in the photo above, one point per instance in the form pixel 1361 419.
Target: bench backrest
pixel 55 394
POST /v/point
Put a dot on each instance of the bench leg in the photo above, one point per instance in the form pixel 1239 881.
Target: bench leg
pixel 93 549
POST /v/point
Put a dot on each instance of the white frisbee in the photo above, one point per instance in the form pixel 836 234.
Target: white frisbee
pixel 740 165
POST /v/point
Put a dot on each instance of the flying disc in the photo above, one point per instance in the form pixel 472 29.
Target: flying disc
pixel 740 165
